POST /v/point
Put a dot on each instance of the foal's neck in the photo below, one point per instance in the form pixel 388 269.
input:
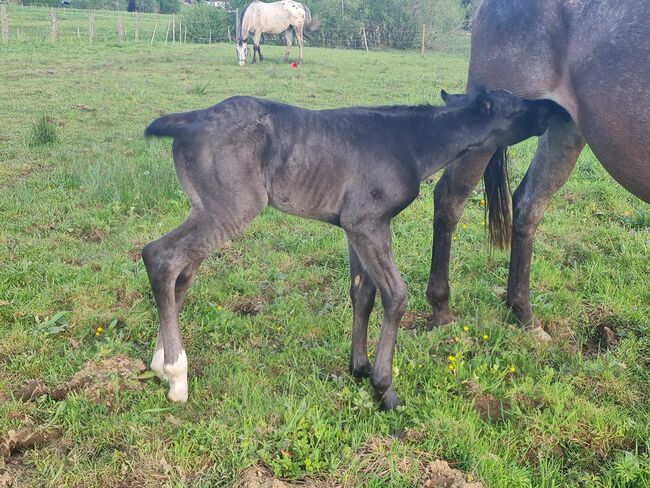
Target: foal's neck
pixel 446 135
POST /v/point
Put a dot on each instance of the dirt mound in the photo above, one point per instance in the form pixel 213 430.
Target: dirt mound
pixel 100 381
pixel 438 474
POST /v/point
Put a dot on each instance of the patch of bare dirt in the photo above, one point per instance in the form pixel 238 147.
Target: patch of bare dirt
pixel 248 306
pixel 490 408
pixel 604 325
pixel 100 381
pixel 57 122
pixel 93 235
pixel 258 476
pixel 438 474
pixel 15 444
pixel 413 320
pixel 135 254
pixel 124 300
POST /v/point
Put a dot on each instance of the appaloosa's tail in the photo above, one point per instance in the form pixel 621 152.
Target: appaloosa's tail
pixel 497 196
pixel 311 23
pixel 173 125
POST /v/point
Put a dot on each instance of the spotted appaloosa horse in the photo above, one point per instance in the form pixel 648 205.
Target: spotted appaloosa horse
pixel 592 57
pixel 286 16
pixel 355 168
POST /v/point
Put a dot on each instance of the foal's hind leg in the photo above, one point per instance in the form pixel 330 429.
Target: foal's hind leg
pixel 183 282
pixel 362 293
pixel 557 152
pixel 171 263
pixel 371 240
pixel 450 195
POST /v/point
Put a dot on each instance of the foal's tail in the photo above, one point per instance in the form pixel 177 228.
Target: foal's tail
pixel 311 23
pixel 173 125
pixel 497 196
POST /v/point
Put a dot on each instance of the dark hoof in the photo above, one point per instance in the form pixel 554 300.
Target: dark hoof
pixel 389 401
pixel 439 318
pixel 360 372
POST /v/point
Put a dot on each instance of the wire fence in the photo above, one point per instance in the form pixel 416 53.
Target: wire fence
pixel 38 24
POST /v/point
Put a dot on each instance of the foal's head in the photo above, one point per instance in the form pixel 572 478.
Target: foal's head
pixel 242 51
pixel 510 118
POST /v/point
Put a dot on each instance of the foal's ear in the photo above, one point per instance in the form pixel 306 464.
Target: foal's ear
pixel 444 95
pixel 484 103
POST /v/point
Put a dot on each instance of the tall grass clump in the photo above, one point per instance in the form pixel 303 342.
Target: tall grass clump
pixel 43 132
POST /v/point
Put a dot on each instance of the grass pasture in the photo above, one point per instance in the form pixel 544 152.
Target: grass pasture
pixel 267 322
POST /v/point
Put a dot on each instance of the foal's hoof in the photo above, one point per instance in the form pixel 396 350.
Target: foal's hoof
pixel 360 372
pixel 389 401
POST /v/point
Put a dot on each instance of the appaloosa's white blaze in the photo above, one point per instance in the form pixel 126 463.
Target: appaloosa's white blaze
pixel 176 373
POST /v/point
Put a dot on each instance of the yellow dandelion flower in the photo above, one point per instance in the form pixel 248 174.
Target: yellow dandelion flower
pixel 99 329
pixel 482 202
pixel 96 333
pixel 465 328
pixel 453 237
pixel 278 328
pixel 219 307
pixel 450 367
pixel 486 337
pixel 482 222
pixel 512 369
pixel 420 366
pixel 464 226
pixel 451 358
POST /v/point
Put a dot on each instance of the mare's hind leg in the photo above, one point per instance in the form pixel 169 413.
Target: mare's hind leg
pixel 557 152
pixel 288 37
pixel 301 43
pixel 362 293
pixel 450 195
pixel 371 240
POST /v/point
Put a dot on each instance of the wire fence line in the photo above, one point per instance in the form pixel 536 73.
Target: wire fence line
pixel 34 24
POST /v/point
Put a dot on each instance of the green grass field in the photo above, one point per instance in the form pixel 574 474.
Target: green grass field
pixel 267 322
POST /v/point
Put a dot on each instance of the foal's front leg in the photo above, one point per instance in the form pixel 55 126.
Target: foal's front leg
pixel 362 293
pixel 371 240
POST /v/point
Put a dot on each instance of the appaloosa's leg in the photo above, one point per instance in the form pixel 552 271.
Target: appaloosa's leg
pixel 450 195
pixel 371 240
pixel 557 152
pixel 301 42
pixel 362 293
pixel 288 37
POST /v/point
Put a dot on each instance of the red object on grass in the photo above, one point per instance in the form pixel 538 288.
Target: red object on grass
pixel 294 65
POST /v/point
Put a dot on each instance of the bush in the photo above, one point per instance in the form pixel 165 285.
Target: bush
pixel 170 6
pixel 203 21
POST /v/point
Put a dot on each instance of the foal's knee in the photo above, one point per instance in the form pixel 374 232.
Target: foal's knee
pixel 395 304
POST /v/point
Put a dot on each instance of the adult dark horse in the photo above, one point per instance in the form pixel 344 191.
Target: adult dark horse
pixel 592 57
pixel 355 168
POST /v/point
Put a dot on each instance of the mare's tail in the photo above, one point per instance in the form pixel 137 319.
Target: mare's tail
pixel 497 196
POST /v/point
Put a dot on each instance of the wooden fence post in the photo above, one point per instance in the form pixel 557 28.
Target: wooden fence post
pixel 424 29
pixel 4 20
pixel 180 30
pixel 169 23
pixel 229 36
pixel 365 39
pixel 91 26
pixel 185 38
pixel 120 30
pixel 78 33
pixel 210 37
pixel 173 29
pixel 154 32
pixel 52 26
pixel 137 26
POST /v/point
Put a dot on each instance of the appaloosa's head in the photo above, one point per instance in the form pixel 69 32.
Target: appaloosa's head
pixel 510 119
pixel 242 51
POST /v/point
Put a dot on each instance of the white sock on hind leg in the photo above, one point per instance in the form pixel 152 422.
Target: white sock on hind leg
pixel 177 375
